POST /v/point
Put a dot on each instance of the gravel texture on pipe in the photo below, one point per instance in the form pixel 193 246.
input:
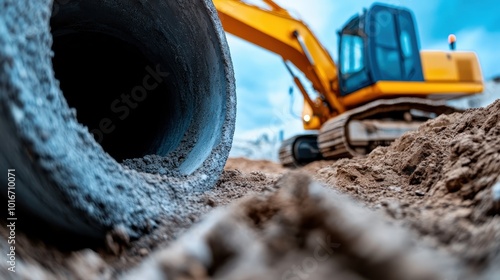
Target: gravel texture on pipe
pixel 68 152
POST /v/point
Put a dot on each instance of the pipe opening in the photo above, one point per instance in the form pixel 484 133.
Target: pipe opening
pixel 141 88
pixel 126 100
pixel 116 91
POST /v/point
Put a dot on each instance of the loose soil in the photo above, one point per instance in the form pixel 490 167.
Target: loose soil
pixel 426 207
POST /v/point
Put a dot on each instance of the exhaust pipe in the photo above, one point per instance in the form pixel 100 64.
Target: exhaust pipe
pixel 94 94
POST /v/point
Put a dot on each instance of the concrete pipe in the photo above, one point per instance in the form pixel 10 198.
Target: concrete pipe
pixel 86 86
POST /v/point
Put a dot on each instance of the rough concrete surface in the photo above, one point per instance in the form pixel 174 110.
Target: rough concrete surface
pixel 65 177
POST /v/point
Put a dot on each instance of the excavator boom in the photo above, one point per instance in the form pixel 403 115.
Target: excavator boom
pixel 277 31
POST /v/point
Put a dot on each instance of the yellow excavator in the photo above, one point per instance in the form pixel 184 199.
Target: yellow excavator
pixel 384 85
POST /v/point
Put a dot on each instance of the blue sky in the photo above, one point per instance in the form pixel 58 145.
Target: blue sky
pixel 263 83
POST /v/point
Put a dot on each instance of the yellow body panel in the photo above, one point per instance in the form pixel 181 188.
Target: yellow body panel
pixel 431 90
pixel 447 75
pixel 440 66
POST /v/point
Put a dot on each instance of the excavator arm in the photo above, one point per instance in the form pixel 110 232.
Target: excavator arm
pixel 277 31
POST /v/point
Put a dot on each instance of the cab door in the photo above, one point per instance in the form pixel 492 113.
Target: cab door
pixel 353 64
pixel 394 53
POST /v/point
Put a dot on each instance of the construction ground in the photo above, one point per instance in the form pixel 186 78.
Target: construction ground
pixel 427 207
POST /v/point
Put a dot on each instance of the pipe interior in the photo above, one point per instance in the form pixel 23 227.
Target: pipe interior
pixel 108 81
pixel 104 56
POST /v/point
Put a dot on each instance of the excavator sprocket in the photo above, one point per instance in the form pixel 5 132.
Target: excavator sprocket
pixel 299 151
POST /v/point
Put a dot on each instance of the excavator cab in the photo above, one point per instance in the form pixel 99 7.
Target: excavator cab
pixel 379 45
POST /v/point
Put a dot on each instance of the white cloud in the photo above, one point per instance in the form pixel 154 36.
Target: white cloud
pixel 262 87
pixel 316 14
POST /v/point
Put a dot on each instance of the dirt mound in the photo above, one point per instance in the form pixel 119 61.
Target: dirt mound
pixel 438 180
